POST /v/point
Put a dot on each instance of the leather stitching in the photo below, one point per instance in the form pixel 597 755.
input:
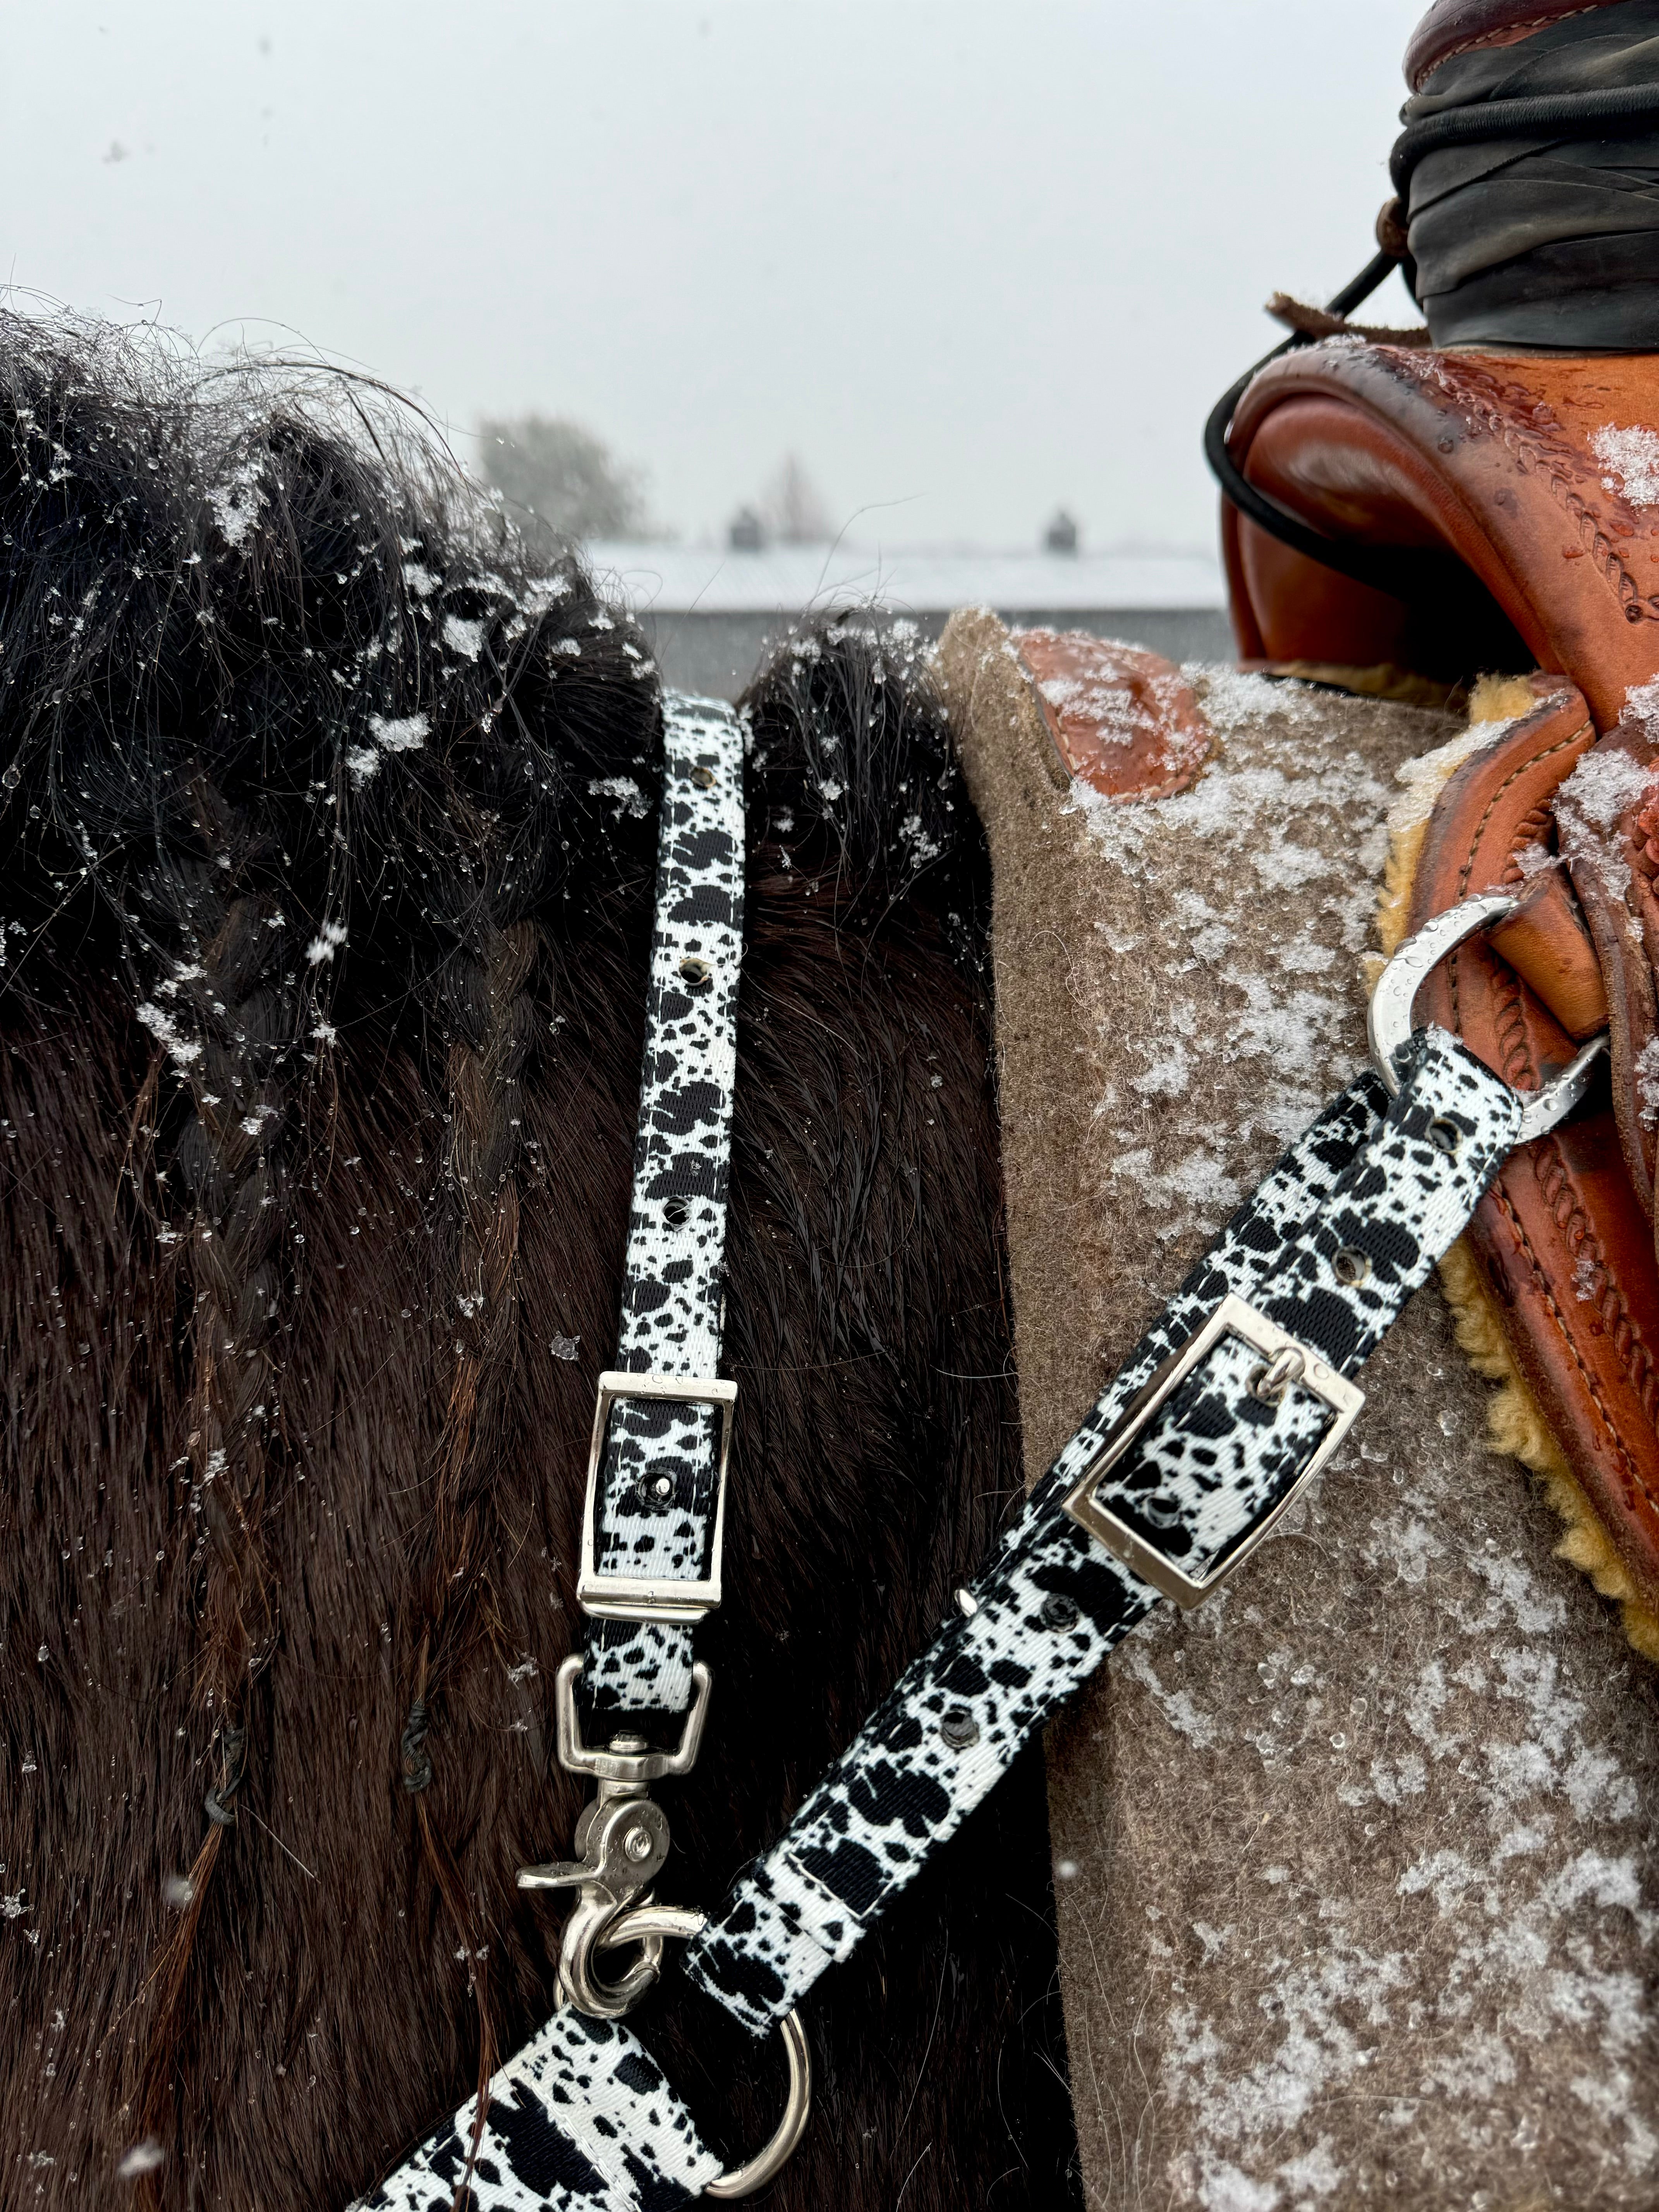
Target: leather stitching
pixel 1504 32
pixel 1485 404
pixel 1547 1148
pixel 1498 1199
pixel 1475 835
pixel 1633 1357
pixel 1521 769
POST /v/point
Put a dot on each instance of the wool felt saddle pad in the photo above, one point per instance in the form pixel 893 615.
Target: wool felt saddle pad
pixel 1356 1896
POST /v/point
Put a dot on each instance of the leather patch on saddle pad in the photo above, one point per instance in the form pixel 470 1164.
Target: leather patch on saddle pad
pixel 1562 1238
pixel 1124 719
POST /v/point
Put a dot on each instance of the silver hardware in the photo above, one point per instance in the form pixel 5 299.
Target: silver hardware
pixel 621 1841
pixel 620 1844
pixel 1351 1266
pixel 1270 1383
pixel 967 1603
pixel 959 1729
pixel 652 1597
pixel 650 1924
pixel 1388 1022
pixel 1232 1317
pixel 617 1764
pixel 1057 1612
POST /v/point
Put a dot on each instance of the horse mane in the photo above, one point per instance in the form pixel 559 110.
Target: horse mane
pixel 329 819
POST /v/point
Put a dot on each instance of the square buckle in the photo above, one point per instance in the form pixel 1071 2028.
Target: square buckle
pixel 652 1597
pixel 1234 1316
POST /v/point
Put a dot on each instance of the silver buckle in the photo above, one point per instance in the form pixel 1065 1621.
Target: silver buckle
pixel 652 1597
pixel 1280 1351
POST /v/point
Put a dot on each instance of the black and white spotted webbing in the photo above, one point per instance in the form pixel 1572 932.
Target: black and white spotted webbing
pixel 1393 1181
pixel 657 1490
pixel 579 2120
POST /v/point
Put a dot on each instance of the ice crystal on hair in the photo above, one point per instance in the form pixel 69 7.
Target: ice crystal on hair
pixel 326 943
pixel 921 847
pixel 629 799
pixel 237 503
pixel 465 638
pixel 180 1049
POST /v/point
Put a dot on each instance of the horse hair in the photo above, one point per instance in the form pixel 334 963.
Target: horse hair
pixel 330 829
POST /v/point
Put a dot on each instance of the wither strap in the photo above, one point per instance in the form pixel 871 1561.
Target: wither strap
pixel 657 1493
pixel 1342 1232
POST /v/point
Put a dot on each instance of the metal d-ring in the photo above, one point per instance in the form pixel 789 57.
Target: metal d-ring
pixel 639 1924
pixel 1388 1021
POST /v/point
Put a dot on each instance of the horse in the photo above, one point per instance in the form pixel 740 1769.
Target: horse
pixel 329 822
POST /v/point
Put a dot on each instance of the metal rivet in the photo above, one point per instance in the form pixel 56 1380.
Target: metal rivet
pixel 677 1213
pixel 703 778
pixel 663 1486
pixel 637 1844
pixel 1446 1136
pixel 1351 1266
pixel 967 1603
pixel 959 1729
pixel 1058 1612
pixel 697 973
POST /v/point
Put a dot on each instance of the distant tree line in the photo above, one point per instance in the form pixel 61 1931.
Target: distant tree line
pixel 561 482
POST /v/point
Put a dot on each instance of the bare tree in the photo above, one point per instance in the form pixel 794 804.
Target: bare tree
pixel 564 476
pixel 792 508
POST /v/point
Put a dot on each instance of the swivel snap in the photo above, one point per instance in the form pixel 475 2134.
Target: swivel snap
pixel 622 1842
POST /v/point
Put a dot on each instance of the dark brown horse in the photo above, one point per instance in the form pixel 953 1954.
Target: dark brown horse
pixel 329 837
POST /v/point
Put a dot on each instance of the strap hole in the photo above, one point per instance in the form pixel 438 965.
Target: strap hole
pixel 1058 1612
pixel 676 1212
pixel 696 972
pixel 959 1729
pixel 703 777
pixel 1351 1266
pixel 1446 1136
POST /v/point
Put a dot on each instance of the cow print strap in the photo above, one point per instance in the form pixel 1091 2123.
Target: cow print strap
pixel 657 1490
pixel 579 2120
pixel 1329 1249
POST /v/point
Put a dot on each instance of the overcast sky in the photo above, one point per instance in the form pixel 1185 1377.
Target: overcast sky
pixel 968 259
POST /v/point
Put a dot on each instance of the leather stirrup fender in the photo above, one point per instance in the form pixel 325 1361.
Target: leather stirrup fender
pixel 1562 1238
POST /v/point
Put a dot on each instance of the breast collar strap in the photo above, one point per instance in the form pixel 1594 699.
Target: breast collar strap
pixel 1239 1391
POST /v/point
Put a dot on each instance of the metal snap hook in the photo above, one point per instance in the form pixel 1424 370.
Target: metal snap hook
pixel 1388 1019
pixel 646 1924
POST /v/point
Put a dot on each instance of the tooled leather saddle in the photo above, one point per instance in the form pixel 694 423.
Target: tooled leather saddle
pixel 1517 497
